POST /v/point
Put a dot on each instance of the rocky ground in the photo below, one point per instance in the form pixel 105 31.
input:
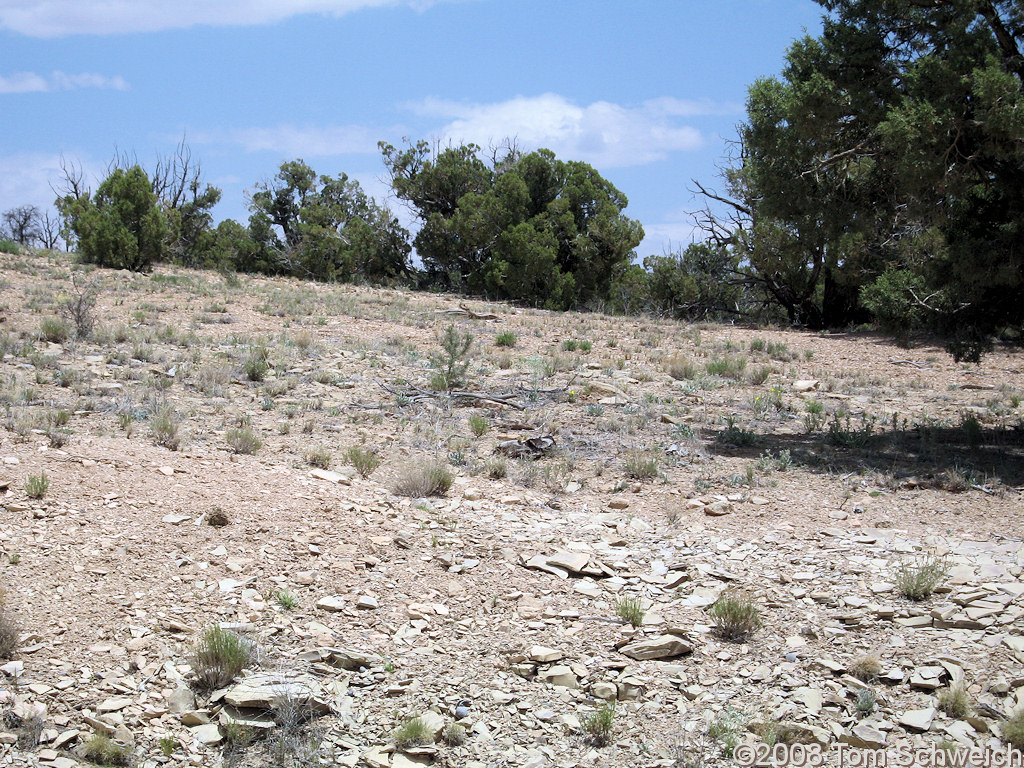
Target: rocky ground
pixel 620 467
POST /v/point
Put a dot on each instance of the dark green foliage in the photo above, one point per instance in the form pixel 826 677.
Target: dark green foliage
pixel 331 230
pixel 700 282
pixel 881 173
pixel 452 360
pixel 121 226
pixel 524 227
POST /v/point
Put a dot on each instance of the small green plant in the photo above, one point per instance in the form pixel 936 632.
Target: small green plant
pixel 954 701
pixel 287 600
pixel 842 433
pixel 424 478
pixel 78 307
pixel 630 609
pixel 478 425
pixel 164 428
pixel 570 345
pixel 737 436
pixel 759 375
pixel 36 486
pixel 237 736
pixel 496 468
pixel 9 630
pixel 103 750
pixel 319 457
pixel 219 657
pixel 727 729
pixel 972 430
pixel 54 330
pixel 726 367
pixel 781 461
pixel 1013 730
pixel 454 735
pixel 600 725
pixel 505 339
pixel 412 733
pixel 918 578
pixel 451 362
pixel 815 407
pixel 736 617
pixel 865 668
pixel 680 368
pixel 243 440
pixel 865 701
pixel 169 745
pixel 364 460
pixel 641 465
pixel 757 345
pixel 257 364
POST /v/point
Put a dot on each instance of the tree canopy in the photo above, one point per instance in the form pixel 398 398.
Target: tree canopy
pixel 322 227
pixel 883 172
pixel 121 226
pixel 526 227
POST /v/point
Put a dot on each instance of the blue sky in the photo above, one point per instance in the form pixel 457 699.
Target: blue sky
pixel 647 91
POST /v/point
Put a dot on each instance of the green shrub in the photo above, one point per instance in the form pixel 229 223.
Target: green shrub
pixel 759 375
pixel 451 362
pixel 865 668
pixel 257 365
pixel 286 599
pixel 453 734
pixel 9 246
pixel 505 339
pixel 103 750
pixel 164 427
pixel 1013 730
pixel 9 630
pixel 54 330
pixel 726 367
pixel 641 465
pixel 169 745
pixel 478 425
pixel 78 307
pixel 600 725
pixel 630 609
pixel 121 226
pixel 680 368
pixel 36 486
pixel 364 460
pixel 425 478
pixel 736 617
pixel 412 733
pixel 219 656
pixel 319 457
pixel 955 702
pixel 727 729
pixel 917 579
pixel 496 468
pixel 865 701
pixel 243 440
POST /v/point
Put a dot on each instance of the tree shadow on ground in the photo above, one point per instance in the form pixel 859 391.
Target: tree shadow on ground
pixel 952 458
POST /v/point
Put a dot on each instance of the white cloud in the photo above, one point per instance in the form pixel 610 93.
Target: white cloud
pixel 292 141
pixel 56 18
pixel 314 141
pixel 604 134
pixel 30 82
pixel 26 178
